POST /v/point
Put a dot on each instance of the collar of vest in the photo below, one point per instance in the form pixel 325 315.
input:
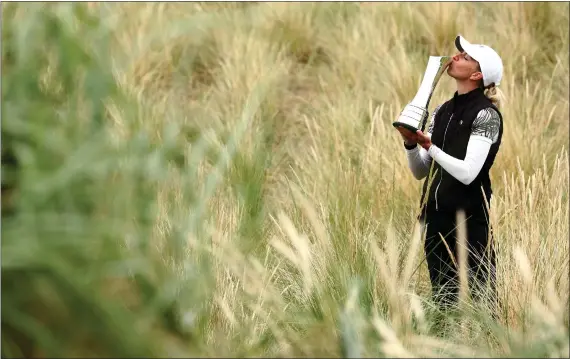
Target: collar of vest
pixel 460 100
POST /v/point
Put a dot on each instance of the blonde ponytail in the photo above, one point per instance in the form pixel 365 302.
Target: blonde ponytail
pixel 492 92
pixel 494 95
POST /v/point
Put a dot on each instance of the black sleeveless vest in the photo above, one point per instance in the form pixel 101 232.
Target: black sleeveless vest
pixel 451 132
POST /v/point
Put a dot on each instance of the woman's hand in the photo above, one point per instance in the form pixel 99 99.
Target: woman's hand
pixel 409 137
pixel 423 140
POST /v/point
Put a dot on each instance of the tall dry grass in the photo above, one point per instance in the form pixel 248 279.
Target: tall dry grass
pixel 222 179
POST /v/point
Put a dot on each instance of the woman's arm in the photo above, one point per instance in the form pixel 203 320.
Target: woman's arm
pixel 485 132
pixel 419 161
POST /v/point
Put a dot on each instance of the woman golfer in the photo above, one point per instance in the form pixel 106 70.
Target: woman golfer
pixel 462 140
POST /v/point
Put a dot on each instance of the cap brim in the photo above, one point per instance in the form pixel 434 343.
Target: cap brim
pixel 465 46
pixel 461 44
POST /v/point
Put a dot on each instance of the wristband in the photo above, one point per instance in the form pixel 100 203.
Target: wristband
pixel 410 147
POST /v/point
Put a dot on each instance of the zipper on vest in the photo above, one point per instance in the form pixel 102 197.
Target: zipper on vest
pixel 441 172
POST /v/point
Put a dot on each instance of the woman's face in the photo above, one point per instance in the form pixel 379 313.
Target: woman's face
pixel 464 67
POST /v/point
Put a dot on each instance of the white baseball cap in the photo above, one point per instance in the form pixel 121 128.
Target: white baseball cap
pixel 488 59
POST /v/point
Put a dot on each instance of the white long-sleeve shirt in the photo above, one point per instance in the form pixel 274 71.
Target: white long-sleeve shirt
pixel 484 132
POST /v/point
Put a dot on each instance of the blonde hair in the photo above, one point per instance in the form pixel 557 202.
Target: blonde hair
pixel 495 95
pixel 492 92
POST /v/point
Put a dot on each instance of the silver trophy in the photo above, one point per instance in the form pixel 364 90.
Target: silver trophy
pixel 414 116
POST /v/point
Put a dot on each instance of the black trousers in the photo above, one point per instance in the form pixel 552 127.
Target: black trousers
pixel 444 271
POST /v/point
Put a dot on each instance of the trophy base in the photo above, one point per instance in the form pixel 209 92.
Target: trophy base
pixel 412 118
pixel 405 125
